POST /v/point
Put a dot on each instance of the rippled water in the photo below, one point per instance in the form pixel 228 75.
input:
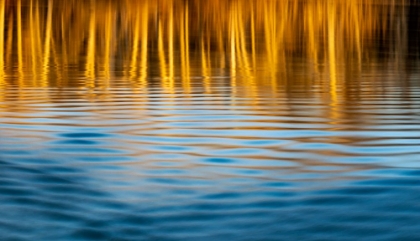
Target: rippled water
pixel 212 145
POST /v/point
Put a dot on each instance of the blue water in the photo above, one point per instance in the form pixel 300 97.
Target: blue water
pixel 157 166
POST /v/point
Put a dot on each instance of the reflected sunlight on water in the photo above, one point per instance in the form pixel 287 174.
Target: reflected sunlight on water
pixel 209 120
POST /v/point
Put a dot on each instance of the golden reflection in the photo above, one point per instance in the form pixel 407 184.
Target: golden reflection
pixel 47 45
pixel 19 39
pixel 109 39
pixel 2 29
pixel 90 58
pixel 255 47
pixel 252 42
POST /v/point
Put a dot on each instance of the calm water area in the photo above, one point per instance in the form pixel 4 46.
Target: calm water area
pixel 209 120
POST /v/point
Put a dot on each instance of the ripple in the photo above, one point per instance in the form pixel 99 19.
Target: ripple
pixel 83 135
pixel 281 152
pixel 219 160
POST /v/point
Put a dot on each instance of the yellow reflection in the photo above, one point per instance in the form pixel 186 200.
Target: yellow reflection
pixel 2 29
pixel 253 42
pixel 184 40
pixel 47 44
pixel 19 39
pixel 144 32
pixel 109 37
pixel 332 50
pixel 91 54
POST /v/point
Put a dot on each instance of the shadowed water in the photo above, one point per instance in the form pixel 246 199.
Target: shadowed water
pixel 209 120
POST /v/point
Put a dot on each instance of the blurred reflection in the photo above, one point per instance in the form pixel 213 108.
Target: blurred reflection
pixel 331 50
pixel 193 117
pixel 328 45
pixel 321 48
pixel 45 42
pixel 317 48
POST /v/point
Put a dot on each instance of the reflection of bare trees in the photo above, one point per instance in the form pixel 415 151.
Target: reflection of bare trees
pixel 336 51
pixel 42 40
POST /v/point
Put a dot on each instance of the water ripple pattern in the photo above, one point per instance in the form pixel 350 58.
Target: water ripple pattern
pixel 209 120
pixel 207 166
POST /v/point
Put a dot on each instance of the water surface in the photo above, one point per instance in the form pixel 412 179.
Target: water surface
pixel 209 120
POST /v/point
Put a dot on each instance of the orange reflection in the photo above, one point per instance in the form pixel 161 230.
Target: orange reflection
pixel 252 42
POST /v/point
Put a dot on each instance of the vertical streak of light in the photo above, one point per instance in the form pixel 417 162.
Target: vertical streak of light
pixel 205 67
pixel 331 13
pixel 108 43
pixel 221 45
pixel 135 48
pixel 253 36
pixel 47 44
pixel 171 47
pixel 268 35
pixel 187 56
pixel 242 42
pixel 38 30
pixel 185 72
pixel 2 13
pixel 331 50
pixel 182 43
pixel 33 39
pixel 243 54
pixel 232 33
pixel 271 48
pixel 162 60
pixel 19 39
pixel 144 45
pixel 356 18
pixel 313 50
pixel 2 80
pixel 279 34
pixel 90 63
pixel 64 51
